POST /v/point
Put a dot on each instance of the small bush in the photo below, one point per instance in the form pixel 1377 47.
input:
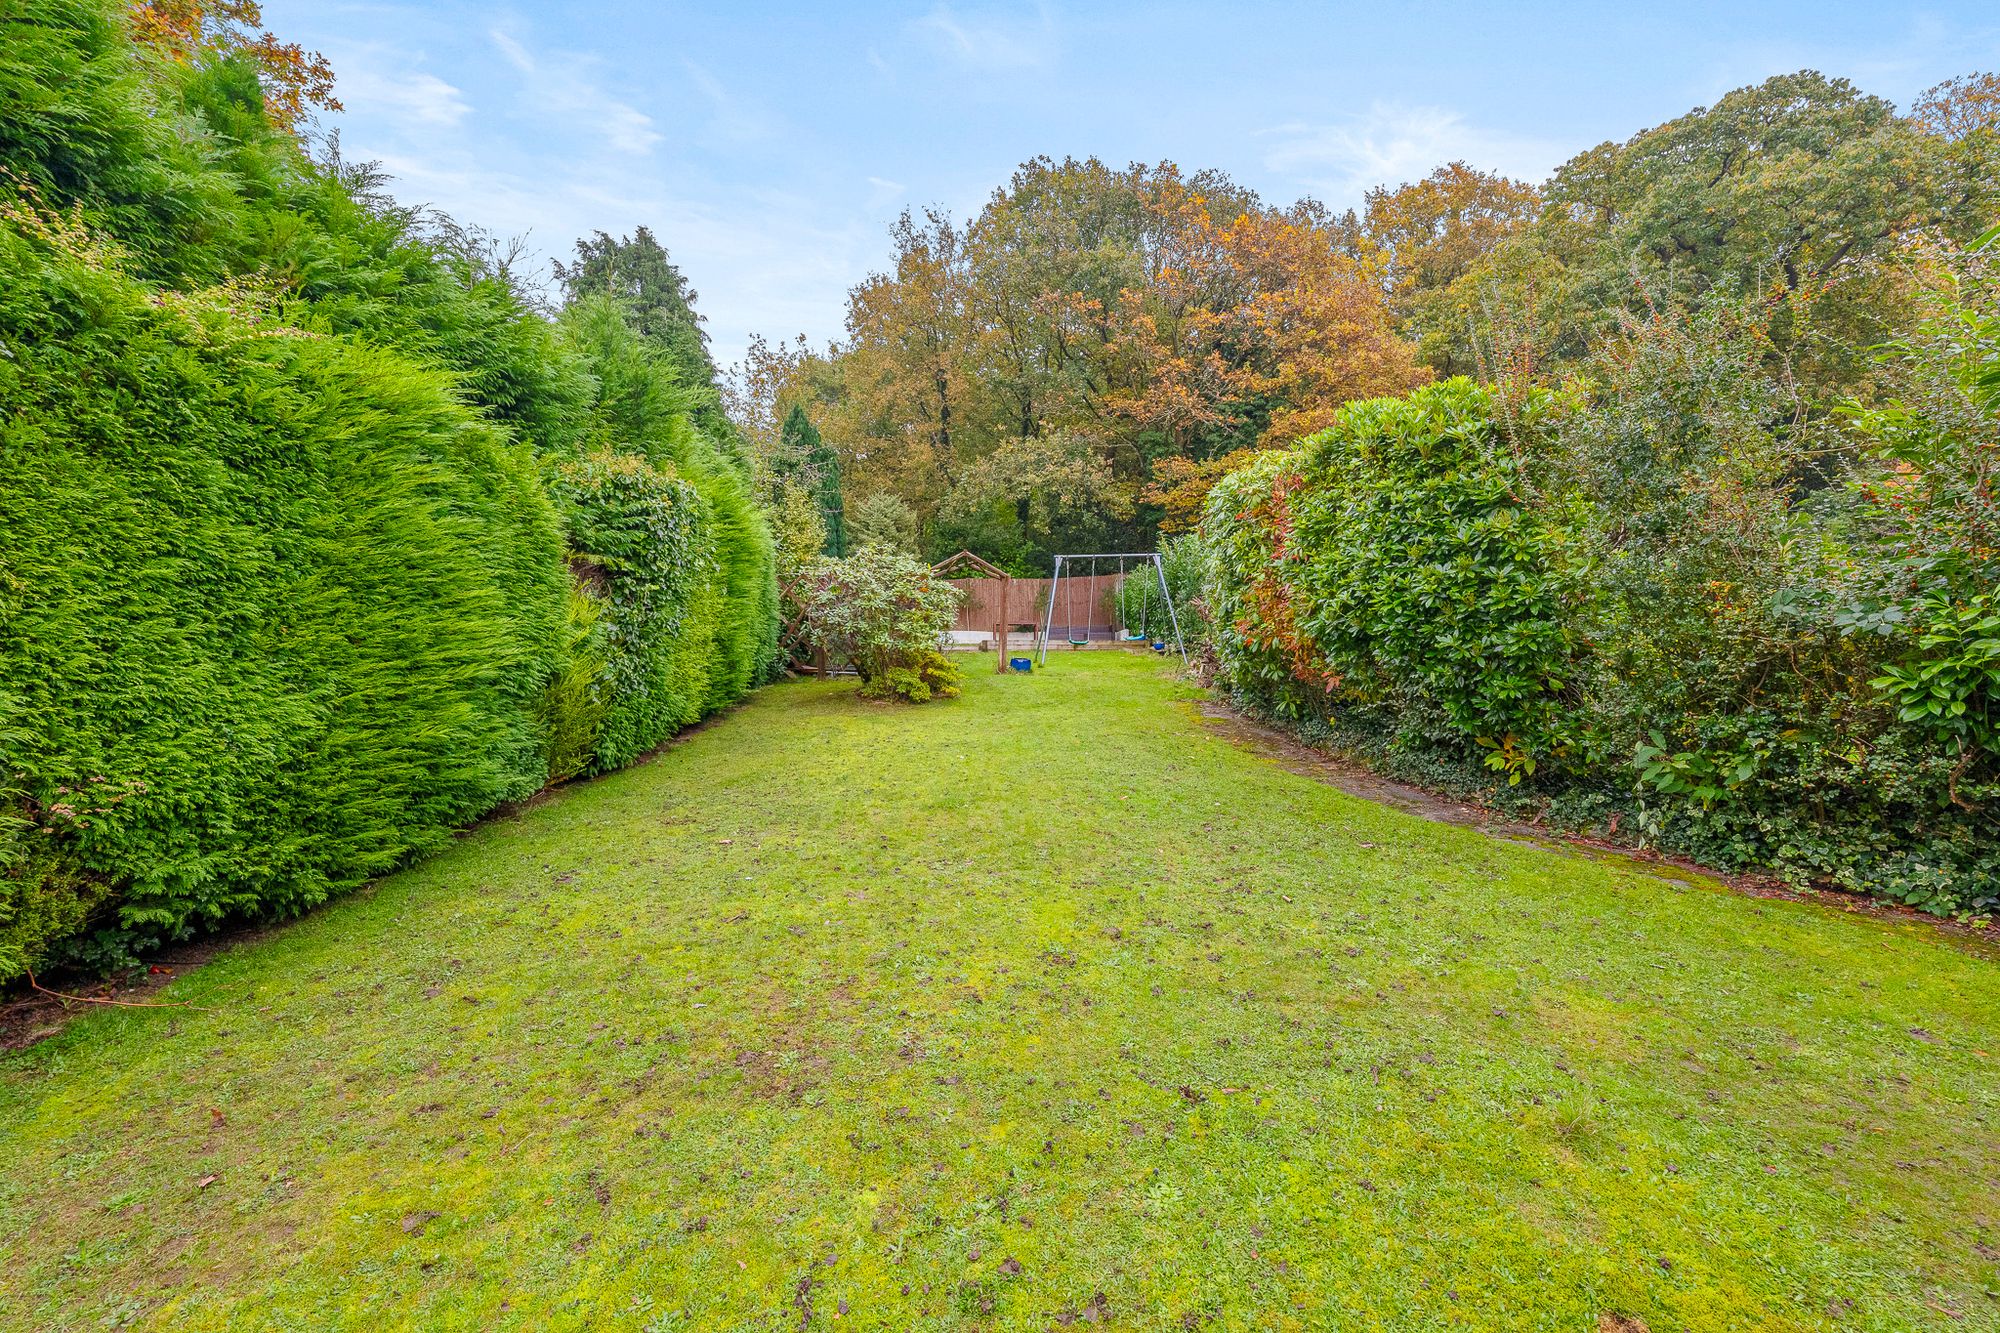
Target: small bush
pixel 931 675
pixel 884 613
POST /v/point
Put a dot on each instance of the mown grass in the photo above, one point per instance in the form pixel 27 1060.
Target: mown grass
pixel 1042 1007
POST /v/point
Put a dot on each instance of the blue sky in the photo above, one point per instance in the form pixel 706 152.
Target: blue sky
pixel 769 146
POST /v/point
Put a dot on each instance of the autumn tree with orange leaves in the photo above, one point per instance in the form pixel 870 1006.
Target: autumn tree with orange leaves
pixel 1120 330
pixel 295 81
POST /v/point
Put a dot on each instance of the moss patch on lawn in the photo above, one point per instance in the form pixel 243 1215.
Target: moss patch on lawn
pixel 1042 1007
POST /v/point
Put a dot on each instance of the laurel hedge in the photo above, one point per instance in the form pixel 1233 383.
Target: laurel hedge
pixel 1617 610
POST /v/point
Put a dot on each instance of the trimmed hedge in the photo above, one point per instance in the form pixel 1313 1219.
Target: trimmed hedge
pixel 316 542
pixel 275 609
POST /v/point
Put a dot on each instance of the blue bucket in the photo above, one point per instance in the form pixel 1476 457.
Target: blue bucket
pixel 1159 645
pixel 1020 664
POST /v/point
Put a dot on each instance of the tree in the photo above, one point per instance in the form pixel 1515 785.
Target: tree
pixel 1427 240
pixel 1960 108
pixel 294 80
pixel 808 456
pixel 1180 487
pixel 907 363
pixel 637 272
pixel 1012 380
pixel 1053 491
pixel 884 520
pixel 1798 188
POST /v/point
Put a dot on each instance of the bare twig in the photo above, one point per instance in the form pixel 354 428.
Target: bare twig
pixel 122 1004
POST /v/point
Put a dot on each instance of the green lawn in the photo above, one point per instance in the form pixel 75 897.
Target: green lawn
pixel 1045 1006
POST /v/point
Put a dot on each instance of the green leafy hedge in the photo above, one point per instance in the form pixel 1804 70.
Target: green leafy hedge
pixel 1396 559
pixel 275 608
pixel 316 540
pixel 1621 609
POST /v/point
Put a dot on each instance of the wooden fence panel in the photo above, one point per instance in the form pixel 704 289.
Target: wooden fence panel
pixel 1084 601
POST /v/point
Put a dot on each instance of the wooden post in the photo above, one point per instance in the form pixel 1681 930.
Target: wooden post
pixel 1000 630
pixel 950 563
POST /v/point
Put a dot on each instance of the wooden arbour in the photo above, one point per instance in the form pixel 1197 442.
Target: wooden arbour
pixel 985 569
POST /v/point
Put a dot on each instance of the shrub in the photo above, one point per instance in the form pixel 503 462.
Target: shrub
pixel 648 554
pixel 1405 566
pixel 1739 633
pixel 1137 602
pixel 639 409
pixel 928 675
pixel 277 608
pixel 884 613
pixel 578 694
pixel 284 597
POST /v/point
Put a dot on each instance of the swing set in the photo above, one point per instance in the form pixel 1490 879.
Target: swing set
pixel 1126 562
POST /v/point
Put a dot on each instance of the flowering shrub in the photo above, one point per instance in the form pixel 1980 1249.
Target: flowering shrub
pixel 883 612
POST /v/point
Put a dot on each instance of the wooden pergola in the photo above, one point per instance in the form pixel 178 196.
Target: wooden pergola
pixel 944 568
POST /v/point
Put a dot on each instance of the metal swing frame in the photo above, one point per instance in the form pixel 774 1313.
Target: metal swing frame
pixel 1159 573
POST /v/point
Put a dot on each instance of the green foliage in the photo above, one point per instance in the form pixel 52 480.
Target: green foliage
pixel 636 272
pixel 883 519
pixel 89 121
pixel 1650 580
pixel 1953 689
pixel 798 527
pixel 641 409
pixel 1137 602
pixel 927 675
pixel 883 612
pixel 1417 574
pixel 805 454
pixel 1802 189
pixel 283 598
pixel 1035 496
pixel 650 535
pixel 578 694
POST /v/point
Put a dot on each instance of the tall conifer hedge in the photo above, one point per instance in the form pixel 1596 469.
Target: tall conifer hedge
pixel 310 547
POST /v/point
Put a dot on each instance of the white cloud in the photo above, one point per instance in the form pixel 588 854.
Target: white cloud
pixel 992 42
pixel 423 98
pixel 1392 145
pixel 566 86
